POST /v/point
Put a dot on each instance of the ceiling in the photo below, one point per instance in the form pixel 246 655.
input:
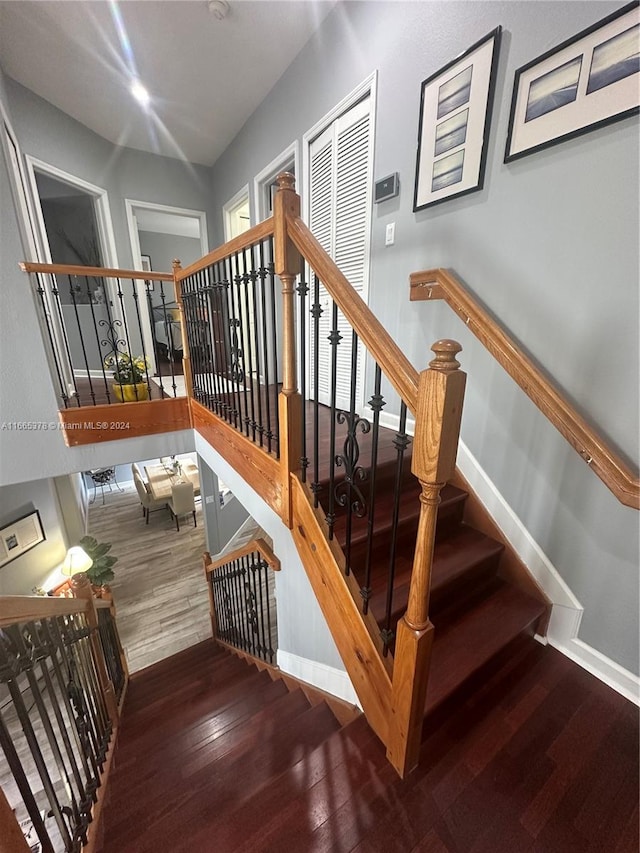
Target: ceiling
pixel 205 76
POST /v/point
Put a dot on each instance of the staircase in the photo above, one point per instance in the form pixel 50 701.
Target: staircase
pixel 477 613
pixel 205 747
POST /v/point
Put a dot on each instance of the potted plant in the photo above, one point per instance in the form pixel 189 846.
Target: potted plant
pixel 101 572
pixel 129 375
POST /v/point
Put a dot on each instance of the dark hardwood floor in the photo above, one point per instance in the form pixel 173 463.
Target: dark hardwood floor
pixel 213 756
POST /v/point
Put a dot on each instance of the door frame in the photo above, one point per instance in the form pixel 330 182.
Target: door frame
pixel 267 176
pixel 230 207
pixel 368 87
pixel 106 238
pixel 131 205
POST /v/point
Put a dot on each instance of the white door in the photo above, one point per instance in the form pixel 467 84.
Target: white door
pixel 341 171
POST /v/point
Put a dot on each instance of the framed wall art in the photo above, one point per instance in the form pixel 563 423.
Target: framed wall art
pixel 586 82
pixel 455 113
pixel 20 536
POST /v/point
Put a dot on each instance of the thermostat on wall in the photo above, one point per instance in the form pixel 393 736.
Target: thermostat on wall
pixel 386 188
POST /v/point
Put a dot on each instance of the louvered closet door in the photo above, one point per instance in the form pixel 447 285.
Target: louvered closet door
pixel 340 210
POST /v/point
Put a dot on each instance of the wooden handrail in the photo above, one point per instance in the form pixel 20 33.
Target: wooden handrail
pixel 243 241
pixel 614 472
pixel 25 608
pixel 95 272
pixel 255 545
pixel 394 364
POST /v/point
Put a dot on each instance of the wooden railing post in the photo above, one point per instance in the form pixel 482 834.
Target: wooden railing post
pixel 81 588
pixel 12 839
pixel 186 357
pixel 438 413
pixel 212 604
pixel 287 266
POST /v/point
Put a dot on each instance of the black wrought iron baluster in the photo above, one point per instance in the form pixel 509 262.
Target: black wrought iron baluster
pixel 400 442
pixel 213 373
pixel 21 664
pixel 241 373
pixel 55 292
pixel 205 376
pixel 334 341
pixel 86 689
pixel 251 604
pixel 125 326
pixel 376 404
pixel 274 326
pixel 348 493
pixel 53 348
pixel 249 341
pixel 270 626
pixel 228 330
pixel 59 631
pixel 34 650
pixel 72 294
pixel 302 290
pixel 167 320
pixel 136 301
pixel 232 577
pixel 262 273
pixel 111 646
pixel 316 314
pixel 236 367
pixel 97 333
pixel 257 350
pixel 242 612
pixel 261 567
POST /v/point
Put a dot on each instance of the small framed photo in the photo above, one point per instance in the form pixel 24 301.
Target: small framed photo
pixel 20 536
pixel 588 81
pixel 455 113
pixel 146 266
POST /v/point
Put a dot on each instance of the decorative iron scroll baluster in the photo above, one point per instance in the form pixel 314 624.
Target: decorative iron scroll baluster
pixel 347 492
pixel 334 338
pixel 400 442
pixel 316 314
pixel 249 314
pixel 72 293
pixel 259 369
pixel 302 289
pixel 376 404
pixel 241 596
pixel 111 649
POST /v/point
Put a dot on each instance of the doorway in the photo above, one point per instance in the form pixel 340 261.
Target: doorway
pixel 159 234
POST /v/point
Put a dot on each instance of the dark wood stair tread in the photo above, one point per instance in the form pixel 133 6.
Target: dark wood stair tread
pixel 456 560
pixel 467 643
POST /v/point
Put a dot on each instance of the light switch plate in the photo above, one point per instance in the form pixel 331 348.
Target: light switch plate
pixel 390 234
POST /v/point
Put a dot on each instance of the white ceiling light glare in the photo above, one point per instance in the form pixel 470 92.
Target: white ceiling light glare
pixel 219 9
pixel 140 93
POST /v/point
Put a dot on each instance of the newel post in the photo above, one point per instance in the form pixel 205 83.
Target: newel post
pixel 287 266
pixel 81 588
pixel 186 357
pixel 438 414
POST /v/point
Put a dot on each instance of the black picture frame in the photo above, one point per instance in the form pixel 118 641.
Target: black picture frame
pixel 588 81
pixel 455 116
pixel 20 536
pixel 146 266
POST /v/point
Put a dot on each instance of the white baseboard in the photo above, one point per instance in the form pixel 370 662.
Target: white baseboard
pixel 327 678
pixel 607 670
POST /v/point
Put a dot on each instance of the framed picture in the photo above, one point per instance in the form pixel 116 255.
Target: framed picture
pixel 586 82
pixel 146 265
pixel 455 112
pixel 20 536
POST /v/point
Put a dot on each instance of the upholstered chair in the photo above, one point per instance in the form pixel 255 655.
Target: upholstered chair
pixel 182 502
pixel 148 503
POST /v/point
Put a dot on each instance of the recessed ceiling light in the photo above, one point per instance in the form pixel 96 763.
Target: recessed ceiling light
pixel 140 93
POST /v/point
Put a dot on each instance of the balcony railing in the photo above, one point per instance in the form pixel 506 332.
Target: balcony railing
pixel 112 335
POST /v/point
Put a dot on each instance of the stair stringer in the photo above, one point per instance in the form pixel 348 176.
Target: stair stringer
pixel 337 594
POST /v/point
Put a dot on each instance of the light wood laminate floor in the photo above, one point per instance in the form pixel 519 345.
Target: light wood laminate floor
pixel 159 587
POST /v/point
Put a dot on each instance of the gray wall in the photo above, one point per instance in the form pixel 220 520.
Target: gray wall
pixel 21 575
pixel 162 249
pixel 550 246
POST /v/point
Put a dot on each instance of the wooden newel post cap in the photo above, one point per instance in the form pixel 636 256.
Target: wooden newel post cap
pixel 445 360
pixel 81 586
pixel 286 181
pixel 175 263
